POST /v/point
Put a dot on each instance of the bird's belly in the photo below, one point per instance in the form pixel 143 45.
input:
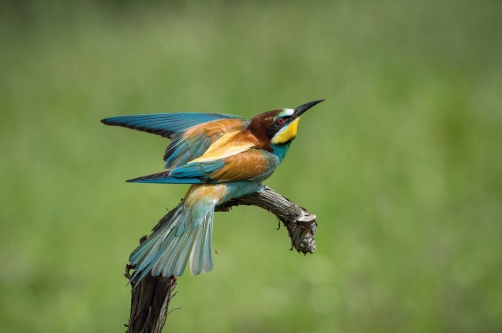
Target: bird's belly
pixel 220 193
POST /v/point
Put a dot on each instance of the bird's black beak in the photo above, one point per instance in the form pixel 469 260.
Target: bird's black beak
pixel 304 107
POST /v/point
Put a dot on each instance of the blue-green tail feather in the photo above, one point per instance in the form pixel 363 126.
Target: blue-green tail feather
pixel 187 235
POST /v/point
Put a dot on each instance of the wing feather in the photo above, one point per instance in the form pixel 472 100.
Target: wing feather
pixel 191 134
pixel 165 124
pixel 248 165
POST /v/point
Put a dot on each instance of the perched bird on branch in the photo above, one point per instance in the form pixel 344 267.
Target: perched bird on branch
pixel 223 157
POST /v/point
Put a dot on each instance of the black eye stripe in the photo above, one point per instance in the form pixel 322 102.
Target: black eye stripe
pixel 277 125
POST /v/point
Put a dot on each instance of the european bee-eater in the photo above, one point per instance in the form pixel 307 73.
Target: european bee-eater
pixel 224 157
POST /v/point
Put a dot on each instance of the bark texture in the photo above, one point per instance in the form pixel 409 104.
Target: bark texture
pixel 151 297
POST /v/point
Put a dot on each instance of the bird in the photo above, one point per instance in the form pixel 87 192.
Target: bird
pixel 223 157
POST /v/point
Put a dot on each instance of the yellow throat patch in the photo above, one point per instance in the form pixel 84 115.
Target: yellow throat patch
pixel 286 134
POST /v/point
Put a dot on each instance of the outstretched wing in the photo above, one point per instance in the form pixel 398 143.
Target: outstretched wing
pixel 191 134
pixel 250 164
pixel 165 124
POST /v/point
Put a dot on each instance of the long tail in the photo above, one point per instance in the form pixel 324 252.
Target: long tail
pixel 186 235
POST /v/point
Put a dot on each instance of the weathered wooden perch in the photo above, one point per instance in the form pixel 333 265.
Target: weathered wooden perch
pixel 150 299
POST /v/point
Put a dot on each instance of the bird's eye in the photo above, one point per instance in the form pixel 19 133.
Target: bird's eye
pixel 281 121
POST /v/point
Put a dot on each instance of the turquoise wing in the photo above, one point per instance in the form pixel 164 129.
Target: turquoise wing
pixel 191 134
pixel 165 124
pixel 249 165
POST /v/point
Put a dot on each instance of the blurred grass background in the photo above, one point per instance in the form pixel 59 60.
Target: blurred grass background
pixel 402 164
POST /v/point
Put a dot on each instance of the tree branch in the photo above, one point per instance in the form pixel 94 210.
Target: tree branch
pixel 150 299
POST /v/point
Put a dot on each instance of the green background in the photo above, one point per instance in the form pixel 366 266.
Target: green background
pixel 402 164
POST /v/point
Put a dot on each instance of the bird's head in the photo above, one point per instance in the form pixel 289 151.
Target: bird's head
pixel 279 127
